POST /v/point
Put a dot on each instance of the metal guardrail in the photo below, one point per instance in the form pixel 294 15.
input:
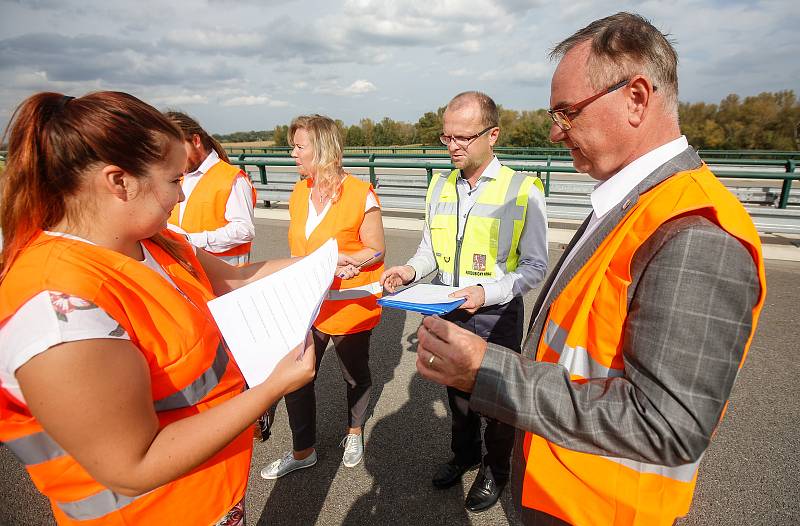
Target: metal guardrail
pixel 408 191
pixel 756 155
pixel 788 165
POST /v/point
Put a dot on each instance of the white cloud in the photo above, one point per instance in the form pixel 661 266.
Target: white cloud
pixel 359 87
pixel 255 100
pixel 179 100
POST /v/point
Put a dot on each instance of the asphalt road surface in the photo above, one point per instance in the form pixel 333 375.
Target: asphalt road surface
pixel 748 475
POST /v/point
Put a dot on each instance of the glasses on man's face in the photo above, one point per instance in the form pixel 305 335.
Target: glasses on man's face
pixel 562 116
pixel 462 142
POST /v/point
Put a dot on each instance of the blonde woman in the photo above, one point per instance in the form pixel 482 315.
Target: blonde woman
pixel 328 202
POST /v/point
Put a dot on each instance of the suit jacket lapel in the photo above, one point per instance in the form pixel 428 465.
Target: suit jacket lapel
pixel 686 160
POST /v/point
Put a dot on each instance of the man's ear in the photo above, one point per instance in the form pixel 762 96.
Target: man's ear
pixel 116 182
pixel 638 94
pixel 494 134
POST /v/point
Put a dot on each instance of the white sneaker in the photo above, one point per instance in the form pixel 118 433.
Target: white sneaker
pixel 353 449
pixel 287 464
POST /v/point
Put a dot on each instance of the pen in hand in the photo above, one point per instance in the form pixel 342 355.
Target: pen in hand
pixel 376 255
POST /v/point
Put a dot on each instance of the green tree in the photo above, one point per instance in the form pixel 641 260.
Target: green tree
pixel 280 135
pixel 368 129
pixel 354 136
pixel 428 128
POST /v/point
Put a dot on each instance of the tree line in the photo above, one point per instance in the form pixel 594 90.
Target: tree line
pixel 768 121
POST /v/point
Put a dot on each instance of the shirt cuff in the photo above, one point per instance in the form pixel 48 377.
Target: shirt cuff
pixel 492 293
pixel 199 239
pixel 419 271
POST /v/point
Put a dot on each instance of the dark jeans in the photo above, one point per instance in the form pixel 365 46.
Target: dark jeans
pixel 301 405
pixel 500 324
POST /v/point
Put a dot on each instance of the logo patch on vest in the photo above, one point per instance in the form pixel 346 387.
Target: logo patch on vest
pixel 446 259
pixel 479 262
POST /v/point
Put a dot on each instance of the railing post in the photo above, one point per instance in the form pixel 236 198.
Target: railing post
pixel 547 178
pixel 262 173
pixel 372 178
pixel 429 172
pixel 786 187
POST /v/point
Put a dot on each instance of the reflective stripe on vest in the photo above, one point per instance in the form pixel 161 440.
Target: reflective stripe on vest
pixel 576 359
pixel 492 231
pixel 682 473
pixel 198 389
pixel 95 506
pixel 35 448
pixel 363 291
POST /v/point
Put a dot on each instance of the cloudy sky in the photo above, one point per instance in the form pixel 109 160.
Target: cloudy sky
pixel 248 64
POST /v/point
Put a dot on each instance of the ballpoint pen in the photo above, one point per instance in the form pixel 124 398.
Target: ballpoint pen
pixel 377 254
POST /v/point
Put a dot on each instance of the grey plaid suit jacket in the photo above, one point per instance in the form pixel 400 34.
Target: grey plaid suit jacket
pixel 689 317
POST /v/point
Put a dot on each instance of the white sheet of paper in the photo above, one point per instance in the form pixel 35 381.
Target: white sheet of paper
pixel 264 320
pixel 425 293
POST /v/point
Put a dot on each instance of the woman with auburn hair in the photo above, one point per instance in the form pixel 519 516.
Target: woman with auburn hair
pixel 116 389
pixel 328 202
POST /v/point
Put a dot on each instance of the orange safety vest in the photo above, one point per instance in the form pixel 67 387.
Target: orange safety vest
pixel 205 209
pixel 190 371
pixel 584 331
pixel 351 305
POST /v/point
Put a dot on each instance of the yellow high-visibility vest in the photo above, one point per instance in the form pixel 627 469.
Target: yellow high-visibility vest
pixel 492 231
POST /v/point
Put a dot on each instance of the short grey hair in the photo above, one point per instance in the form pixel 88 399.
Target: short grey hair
pixel 624 45
pixel 489 113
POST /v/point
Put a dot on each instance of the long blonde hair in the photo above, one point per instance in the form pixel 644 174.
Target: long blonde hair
pixel 326 143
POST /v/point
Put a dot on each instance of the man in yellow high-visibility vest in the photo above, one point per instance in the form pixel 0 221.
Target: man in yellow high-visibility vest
pixel 485 232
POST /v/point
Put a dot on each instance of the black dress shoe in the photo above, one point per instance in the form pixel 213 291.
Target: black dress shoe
pixel 483 493
pixel 450 472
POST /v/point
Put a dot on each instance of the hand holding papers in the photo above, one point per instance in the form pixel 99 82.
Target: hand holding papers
pixel 266 319
pixel 424 298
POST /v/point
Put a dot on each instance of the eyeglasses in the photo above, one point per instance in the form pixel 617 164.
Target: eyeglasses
pixel 462 142
pixel 562 116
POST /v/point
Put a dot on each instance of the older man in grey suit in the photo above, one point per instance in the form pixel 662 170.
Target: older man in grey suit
pixel 639 332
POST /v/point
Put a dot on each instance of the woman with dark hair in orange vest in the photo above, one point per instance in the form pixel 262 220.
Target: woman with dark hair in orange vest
pixel 328 202
pixel 116 389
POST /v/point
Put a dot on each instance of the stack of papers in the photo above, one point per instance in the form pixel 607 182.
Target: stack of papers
pixel 424 298
pixel 264 320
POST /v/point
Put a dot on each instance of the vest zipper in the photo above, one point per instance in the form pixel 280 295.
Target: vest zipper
pixel 459 240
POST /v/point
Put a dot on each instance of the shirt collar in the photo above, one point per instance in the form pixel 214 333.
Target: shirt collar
pixel 211 160
pixel 491 171
pixel 609 193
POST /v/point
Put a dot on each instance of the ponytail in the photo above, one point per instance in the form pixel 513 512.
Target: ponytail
pixel 53 139
pixel 190 126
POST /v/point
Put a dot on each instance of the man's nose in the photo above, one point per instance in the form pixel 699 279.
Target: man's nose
pixel 557 134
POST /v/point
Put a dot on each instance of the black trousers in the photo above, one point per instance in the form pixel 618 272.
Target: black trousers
pixel 352 351
pixel 500 324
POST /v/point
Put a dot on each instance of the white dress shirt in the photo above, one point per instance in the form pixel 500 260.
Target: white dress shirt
pixel 610 193
pixel 532 265
pixel 313 219
pixel 238 212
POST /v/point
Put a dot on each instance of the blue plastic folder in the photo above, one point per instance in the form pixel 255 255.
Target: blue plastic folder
pixel 423 298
